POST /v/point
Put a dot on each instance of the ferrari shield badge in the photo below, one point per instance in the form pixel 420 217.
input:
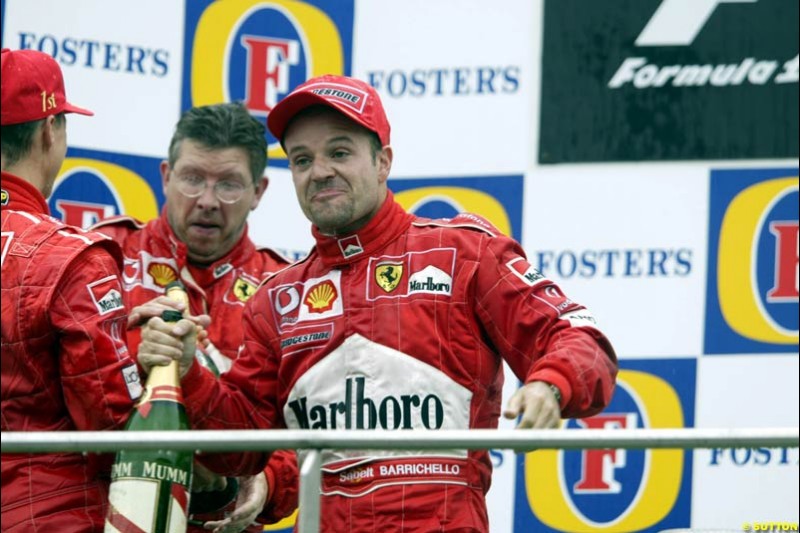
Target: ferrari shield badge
pixel 388 275
pixel 243 289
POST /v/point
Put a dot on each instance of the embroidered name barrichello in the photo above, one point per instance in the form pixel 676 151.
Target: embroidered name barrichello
pixel 357 411
pixel 363 479
pixel 420 469
pixel 106 294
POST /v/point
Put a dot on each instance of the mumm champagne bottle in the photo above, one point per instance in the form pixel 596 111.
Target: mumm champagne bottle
pixel 150 489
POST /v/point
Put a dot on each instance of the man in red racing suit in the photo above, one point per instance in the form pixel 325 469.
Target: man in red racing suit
pixel 201 240
pixel 153 258
pixel 392 322
pixel 65 362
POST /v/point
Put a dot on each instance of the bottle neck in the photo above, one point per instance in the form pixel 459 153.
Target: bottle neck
pixel 163 383
pixel 164 375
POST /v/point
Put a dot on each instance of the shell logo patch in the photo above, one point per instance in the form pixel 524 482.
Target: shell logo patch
pixel 162 274
pixel 321 297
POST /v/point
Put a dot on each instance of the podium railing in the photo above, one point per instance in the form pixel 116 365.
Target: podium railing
pixel 313 441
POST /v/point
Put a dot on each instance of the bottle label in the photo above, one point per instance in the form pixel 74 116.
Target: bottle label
pixel 147 497
pixel 165 393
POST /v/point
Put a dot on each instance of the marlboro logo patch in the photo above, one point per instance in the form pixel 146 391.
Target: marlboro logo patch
pixel 106 295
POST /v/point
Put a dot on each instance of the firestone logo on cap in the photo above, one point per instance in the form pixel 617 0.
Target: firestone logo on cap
pixel 350 96
pixel 347 96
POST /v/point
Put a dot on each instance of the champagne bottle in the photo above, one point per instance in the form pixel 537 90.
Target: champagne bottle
pixel 150 489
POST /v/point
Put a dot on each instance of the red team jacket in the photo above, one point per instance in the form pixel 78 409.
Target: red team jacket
pixel 154 257
pixel 403 325
pixel 65 363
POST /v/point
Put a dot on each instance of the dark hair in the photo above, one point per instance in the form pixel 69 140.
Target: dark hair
pixel 317 109
pixel 16 139
pixel 228 125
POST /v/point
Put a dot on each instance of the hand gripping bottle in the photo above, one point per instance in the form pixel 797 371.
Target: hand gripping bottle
pixel 150 489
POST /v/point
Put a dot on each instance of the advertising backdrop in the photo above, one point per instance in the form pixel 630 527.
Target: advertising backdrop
pixel 644 152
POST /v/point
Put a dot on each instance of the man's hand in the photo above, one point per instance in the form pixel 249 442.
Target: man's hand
pixel 537 404
pixel 204 480
pixel 252 497
pixel 140 314
pixel 163 342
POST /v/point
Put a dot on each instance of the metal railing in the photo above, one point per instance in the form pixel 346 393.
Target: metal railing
pixel 314 441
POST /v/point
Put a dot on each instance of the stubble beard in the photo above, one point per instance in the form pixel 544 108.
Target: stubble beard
pixel 329 218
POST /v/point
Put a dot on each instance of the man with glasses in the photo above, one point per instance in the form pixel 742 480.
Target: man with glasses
pixel 212 180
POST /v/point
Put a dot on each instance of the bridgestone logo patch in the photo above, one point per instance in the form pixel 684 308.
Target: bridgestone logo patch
pixel 305 339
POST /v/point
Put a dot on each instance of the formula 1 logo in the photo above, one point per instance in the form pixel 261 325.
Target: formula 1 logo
pixel 752 297
pixel 674 25
pixel 678 23
pixel 90 190
pixel 257 51
pixel 617 490
pixel 496 198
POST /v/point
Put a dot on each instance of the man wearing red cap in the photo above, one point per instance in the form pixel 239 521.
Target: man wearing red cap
pixel 65 361
pixel 392 322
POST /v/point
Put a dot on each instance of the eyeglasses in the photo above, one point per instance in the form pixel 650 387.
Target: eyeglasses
pixel 226 191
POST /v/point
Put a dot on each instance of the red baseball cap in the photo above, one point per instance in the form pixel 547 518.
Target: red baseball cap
pixel 351 97
pixel 32 88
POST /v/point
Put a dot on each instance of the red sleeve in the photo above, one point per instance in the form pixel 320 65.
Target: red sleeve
pixel 245 397
pixel 282 478
pixel 542 334
pixel 99 379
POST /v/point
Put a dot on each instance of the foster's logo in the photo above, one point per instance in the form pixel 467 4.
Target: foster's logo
pixel 257 51
pixel 617 490
pixel 498 199
pixel 753 262
pixel 90 190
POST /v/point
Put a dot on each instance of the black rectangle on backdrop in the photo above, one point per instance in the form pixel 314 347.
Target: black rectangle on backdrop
pixel 641 80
